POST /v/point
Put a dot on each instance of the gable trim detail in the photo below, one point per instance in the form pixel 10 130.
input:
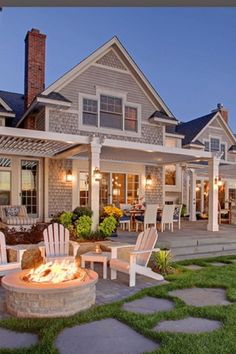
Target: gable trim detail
pixel 96 55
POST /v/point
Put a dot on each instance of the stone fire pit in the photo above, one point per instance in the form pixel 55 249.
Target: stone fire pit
pixel 30 299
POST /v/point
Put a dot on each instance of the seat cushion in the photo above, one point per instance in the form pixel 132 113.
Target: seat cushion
pixel 139 218
pixel 20 220
pixel 124 218
pixel 119 264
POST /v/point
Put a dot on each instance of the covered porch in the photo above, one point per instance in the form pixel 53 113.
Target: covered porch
pixel 92 154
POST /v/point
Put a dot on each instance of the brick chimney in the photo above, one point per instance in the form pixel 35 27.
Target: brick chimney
pixel 34 65
pixel 223 111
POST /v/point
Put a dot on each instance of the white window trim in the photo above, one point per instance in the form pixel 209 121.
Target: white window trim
pixel 107 92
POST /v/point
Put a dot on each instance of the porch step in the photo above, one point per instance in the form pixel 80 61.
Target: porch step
pixel 202 248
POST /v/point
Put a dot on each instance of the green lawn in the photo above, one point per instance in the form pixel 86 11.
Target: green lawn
pixel 222 341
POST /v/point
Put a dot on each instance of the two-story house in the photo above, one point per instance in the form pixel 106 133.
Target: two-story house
pixel 100 134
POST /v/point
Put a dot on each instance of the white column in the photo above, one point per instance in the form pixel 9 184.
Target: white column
pixel 46 189
pixel 192 196
pixel 187 193
pixel 94 161
pixel 213 171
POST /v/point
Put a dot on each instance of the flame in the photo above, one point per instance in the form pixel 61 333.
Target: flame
pixel 56 272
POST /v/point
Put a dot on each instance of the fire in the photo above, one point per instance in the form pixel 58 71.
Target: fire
pixel 56 272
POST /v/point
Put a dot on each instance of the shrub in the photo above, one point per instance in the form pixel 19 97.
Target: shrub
pixel 107 226
pixel 162 262
pixel 65 218
pixel 81 211
pixel 83 226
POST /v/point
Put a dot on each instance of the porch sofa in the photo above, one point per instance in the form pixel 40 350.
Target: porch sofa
pixel 15 216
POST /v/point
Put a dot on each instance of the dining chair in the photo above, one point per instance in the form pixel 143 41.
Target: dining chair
pixel 149 217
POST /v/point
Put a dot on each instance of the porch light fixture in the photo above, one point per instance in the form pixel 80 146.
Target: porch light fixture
pixel 148 180
pixel 219 182
pixel 97 174
pixel 69 176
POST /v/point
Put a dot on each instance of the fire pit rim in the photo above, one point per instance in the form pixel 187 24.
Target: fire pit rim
pixel 14 281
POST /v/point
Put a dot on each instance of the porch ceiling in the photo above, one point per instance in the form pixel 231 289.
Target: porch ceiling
pixel 143 156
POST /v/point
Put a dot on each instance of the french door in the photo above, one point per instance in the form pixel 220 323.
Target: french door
pixel 29 186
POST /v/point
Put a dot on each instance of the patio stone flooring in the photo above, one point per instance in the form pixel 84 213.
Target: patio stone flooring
pixel 148 305
pixel 13 340
pixel 201 296
pixel 188 325
pixel 193 267
pixel 113 290
pixel 106 336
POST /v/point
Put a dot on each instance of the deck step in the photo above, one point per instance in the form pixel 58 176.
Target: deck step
pixel 204 255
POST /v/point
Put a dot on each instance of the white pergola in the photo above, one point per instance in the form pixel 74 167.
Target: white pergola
pixel 15 141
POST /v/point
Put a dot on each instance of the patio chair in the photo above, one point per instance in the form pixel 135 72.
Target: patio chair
pixel 224 214
pixel 5 266
pixel 125 220
pixel 167 217
pixel 15 216
pixel 138 258
pixel 57 243
pixel 177 214
pixel 149 217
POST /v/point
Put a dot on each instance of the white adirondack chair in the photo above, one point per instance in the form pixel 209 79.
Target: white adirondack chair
pixel 150 217
pixel 167 217
pixel 139 257
pixel 6 267
pixel 57 242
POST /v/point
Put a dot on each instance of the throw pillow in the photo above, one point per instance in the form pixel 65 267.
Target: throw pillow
pixel 12 211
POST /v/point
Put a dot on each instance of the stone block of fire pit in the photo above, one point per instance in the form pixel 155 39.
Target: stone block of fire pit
pixel 38 300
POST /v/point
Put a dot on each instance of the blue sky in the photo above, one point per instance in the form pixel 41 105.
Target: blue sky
pixel 188 54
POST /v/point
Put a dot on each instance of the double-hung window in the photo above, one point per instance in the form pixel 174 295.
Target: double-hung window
pixel 131 119
pixel 90 112
pixel 215 144
pixel 111 112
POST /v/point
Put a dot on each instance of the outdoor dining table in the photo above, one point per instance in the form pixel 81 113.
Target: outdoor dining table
pixel 133 213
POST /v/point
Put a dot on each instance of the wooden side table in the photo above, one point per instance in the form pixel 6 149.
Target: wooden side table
pixel 94 257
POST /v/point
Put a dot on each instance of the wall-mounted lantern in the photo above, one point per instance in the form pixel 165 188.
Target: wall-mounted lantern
pixel 97 174
pixel 69 176
pixel 148 180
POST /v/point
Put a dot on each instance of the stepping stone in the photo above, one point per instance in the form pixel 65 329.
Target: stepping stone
pixel 201 296
pixel 217 264
pixel 13 340
pixel 193 267
pixel 188 325
pixel 233 260
pixel 105 336
pixel 148 305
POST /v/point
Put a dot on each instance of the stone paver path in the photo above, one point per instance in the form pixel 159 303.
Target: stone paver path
pixel 12 340
pixel 201 296
pixel 193 267
pixel 217 264
pixel 148 305
pixel 105 337
pixel 188 325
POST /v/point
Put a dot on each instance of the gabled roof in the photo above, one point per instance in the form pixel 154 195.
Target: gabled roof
pixel 192 128
pixel 71 74
pixel 55 96
pixel 16 102
pixel 158 115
